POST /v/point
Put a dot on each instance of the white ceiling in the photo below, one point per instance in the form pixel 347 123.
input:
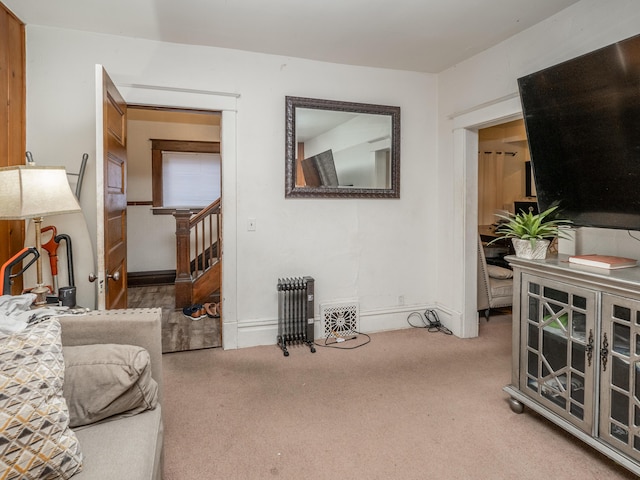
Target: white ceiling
pixel 418 35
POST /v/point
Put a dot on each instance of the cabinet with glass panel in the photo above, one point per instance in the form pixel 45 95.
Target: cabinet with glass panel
pixel 576 352
pixel 557 348
pixel 620 381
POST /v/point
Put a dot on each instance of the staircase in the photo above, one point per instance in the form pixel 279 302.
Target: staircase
pixel 198 255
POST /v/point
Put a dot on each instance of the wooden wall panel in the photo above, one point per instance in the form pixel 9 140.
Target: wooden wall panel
pixel 12 120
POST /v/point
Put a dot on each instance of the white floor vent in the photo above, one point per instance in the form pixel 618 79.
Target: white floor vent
pixel 340 319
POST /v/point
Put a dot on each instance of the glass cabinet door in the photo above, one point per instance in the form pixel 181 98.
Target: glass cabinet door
pixel 557 338
pixel 620 374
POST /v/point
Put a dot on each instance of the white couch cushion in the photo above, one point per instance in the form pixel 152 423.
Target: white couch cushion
pixel 127 448
pixel 104 380
pixel 496 271
pixel 501 288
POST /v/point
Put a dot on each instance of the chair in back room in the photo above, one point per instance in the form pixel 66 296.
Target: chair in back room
pixel 495 284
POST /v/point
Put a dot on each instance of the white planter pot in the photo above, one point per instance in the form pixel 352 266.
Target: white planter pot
pixel 523 248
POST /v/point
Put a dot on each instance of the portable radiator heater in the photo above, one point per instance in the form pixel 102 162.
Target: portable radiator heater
pixel 295 312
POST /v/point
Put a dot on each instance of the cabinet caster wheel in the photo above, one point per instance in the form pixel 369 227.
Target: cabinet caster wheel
pixel 313 349
pixel 286 354
pixel 516 406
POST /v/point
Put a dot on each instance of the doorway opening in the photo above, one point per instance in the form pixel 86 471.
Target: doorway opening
pixel 504 187
pixel 504 181
pixel 174 162
pixel 465 161
pixel 110 184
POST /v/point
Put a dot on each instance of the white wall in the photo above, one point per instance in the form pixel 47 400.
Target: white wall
pixel 488 79
pixel 374 251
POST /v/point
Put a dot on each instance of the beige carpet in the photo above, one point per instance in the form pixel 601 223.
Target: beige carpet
pixel 409 405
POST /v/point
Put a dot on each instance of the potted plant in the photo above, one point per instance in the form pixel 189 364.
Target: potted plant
pixel 532 233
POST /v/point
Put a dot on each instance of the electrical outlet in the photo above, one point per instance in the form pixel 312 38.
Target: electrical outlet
pixel 251 225
pixel 401 300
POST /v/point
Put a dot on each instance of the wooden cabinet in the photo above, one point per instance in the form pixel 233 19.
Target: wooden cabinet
pixel 12 120
pixel 576 352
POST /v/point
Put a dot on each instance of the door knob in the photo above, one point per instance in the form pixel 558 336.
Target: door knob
pixel 115 276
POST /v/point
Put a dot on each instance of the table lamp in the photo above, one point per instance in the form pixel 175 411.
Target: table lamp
pixel 33 192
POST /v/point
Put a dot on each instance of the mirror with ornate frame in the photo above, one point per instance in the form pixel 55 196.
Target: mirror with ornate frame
pixel 341 149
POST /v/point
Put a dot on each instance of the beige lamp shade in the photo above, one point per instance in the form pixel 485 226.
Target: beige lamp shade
pixel 35 191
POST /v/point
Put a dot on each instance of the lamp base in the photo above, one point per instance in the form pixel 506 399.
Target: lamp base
pixel 41 295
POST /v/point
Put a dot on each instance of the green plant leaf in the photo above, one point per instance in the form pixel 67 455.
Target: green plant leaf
pixel 529 226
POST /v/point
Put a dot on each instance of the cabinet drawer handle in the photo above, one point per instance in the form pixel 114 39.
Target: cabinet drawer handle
pixel 604 352
pixel 590 347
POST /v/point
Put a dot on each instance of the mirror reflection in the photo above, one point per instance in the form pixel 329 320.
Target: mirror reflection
pixel 342 149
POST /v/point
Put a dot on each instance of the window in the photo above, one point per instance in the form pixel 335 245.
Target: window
pixel 190 179
pixel 185 173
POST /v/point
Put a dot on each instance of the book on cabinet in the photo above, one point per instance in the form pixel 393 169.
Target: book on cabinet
pixel 603 261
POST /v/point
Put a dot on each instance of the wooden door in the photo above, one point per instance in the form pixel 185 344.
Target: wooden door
pixel 111 160
pixel 12 124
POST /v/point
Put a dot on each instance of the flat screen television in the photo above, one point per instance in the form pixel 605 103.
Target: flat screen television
pixel 582 119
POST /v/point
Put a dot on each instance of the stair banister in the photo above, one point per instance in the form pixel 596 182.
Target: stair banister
pixel 192 268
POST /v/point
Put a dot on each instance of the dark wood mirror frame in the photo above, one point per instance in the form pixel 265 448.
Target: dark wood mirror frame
pixel 293 191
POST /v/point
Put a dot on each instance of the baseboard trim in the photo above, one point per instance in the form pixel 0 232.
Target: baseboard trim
pixel 265 331
pixel 452 319
pixel 156 277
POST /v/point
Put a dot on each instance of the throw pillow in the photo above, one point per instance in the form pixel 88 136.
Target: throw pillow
pixel 495 271
pixel 106 380
pixel 35 439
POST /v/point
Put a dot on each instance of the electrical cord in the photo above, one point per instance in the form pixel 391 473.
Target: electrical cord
pixel 635 238
pixel 338 344
pixel 430 321
pixel 419 315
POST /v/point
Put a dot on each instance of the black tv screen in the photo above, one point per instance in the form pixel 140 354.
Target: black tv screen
pixel 582 119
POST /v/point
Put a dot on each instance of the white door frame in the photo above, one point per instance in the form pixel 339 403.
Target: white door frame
pixel 227 104
pixel 465 158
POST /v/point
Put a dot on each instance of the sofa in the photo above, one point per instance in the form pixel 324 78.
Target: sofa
pixel 128 447
pixel 80 397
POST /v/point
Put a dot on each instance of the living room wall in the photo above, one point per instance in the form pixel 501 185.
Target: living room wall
pixel 380 253
pixel 490 79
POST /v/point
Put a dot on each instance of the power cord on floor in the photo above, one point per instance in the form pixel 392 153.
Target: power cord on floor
pixel 430 321
pixel 339 342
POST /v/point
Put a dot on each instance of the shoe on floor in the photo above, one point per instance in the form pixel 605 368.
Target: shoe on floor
pixel 212 310
pixel 194 312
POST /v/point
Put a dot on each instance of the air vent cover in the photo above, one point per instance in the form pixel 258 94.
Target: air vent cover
pixel 340 319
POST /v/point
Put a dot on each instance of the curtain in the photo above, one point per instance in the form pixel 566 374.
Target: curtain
pixel 490 186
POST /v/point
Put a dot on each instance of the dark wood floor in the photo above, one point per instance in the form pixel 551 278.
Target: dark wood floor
pixel 179 333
